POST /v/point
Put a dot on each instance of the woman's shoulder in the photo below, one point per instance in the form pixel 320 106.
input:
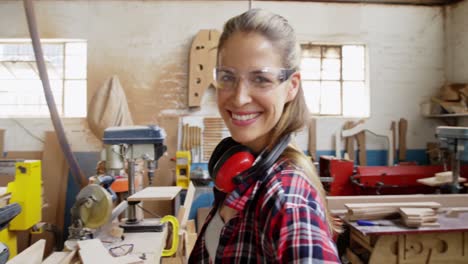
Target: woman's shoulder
pixel 290 183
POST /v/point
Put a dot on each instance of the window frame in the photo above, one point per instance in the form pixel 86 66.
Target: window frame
pixel 63 112
pixel 365 71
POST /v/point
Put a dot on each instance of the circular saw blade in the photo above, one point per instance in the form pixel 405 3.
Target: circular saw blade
pixel 97 211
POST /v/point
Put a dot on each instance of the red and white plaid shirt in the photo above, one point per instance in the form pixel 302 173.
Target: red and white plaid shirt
pixel 280 220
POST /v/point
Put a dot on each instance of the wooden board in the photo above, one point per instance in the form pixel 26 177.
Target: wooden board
pixel 56 258
pixel 393 128
pixel 393 204
pixel 312 146
pixel 202 61
pixel 54 180
pixel 187 204
pixel 92 251
pixel 155 194
pixel 445 200
pixel 2 142
pixel 433 181
pixel 31 255
pixel 402 130
pixel 150 243
pixel 349 141
pixel 361 142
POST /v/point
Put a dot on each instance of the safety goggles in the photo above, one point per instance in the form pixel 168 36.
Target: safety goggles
pixel 227 79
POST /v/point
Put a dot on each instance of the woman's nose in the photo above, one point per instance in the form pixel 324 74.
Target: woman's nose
pixel 242 93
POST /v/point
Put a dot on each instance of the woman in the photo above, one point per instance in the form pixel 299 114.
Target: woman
pixel 274 215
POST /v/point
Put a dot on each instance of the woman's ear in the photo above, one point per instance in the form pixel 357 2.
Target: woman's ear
pixel 293 85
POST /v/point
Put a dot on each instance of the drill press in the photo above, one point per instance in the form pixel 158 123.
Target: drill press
pixel 454 139
pixel 129 144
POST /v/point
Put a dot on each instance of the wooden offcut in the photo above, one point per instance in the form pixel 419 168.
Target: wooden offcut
pixel 402 130
pixel 312 146
pixel 349 141
pixel 2 142
pixel 416 217
pixel 155 194
pixel 371 211
pixel 31 255
pixel 337 203
pixel 201 64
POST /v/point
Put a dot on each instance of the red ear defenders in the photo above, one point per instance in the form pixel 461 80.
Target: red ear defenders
pixel 231 162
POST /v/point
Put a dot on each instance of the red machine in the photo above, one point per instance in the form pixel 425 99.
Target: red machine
pixel 344 179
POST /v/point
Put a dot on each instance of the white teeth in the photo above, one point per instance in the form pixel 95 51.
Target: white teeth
pixel 243 117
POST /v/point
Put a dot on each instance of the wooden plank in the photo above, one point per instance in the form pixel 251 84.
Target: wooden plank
pixel 392 204
pixel 69 258
pixel 312 146
pixel 455 211
pixel 28 155
pixel 188 204
pixel 393 128
pixel 92 251
pixel 433 181
pixel 402 130
pixel 191 226
pixel 2 142
pixel 150 243
pixel 446 200
pixel 156 194
pixel 54 180
pixel 56 257
pixel 349 141
pixel 31 255
pixel 361 142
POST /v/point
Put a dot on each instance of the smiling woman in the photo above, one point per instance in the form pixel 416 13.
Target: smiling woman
pixel 274 210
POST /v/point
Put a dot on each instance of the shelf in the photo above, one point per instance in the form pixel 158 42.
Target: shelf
pixel 448 115
pixel 449 119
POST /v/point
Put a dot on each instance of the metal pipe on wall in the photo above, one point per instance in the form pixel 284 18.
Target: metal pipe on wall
pixel 76 172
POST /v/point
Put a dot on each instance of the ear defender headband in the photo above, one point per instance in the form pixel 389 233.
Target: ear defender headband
pixel 231 159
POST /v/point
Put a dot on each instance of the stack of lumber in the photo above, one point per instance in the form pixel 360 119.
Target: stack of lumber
pixel 440 178
pixel 374 211
pixel 416 217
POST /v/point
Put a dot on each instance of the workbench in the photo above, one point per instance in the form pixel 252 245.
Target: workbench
pixel 396 243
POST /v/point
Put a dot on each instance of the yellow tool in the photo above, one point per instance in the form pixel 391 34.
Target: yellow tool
pixel 183 161
pixel 25 190
pixel 175 235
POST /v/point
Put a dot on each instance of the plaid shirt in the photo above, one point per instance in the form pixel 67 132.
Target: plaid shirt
pixel 280 220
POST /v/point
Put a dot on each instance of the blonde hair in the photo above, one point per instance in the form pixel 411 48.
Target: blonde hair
pixel 295 113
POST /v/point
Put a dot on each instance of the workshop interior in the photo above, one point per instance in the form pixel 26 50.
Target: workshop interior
pixel 108 119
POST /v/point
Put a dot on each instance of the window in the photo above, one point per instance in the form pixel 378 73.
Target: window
pixel 21 92
pixel 334 80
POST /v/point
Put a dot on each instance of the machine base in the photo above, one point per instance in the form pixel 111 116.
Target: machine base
pixel 144 225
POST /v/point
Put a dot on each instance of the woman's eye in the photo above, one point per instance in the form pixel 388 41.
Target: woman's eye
pixel 227 78
pixel 262 79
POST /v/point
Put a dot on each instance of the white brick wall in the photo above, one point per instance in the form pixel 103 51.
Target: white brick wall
pixel 457 42
pixel 146 43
